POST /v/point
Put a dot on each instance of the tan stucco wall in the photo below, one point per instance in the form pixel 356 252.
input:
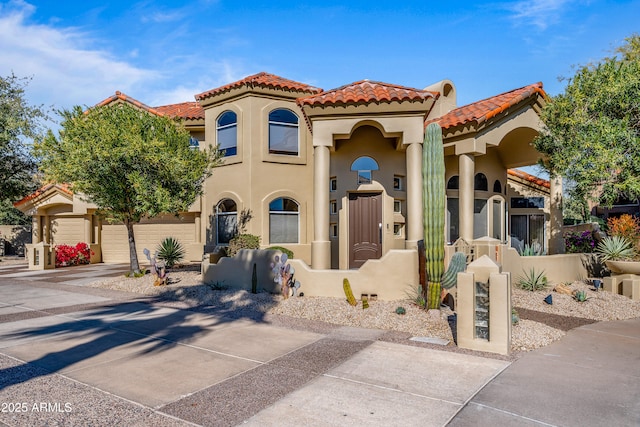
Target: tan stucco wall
pixel 253 177
pixel 390 278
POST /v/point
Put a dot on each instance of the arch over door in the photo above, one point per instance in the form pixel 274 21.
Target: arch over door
pixel 365 228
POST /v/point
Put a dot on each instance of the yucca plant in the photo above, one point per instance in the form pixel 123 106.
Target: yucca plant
pixel 170 251
pixel 615 248
pixel 532 280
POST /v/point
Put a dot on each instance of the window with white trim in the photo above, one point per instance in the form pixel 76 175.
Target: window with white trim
pixel 227 133
pixel 283 132
pixel 226 221
pixel 284 219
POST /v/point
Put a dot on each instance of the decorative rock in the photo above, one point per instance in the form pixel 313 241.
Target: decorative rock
pixel 549 299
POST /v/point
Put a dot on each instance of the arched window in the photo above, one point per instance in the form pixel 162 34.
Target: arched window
pixel 480 182
pixel 284 221
pixel 364 165
pixel 453 183
pixel 497 186
pixel 226 221
pixel 283 132
pixel 227 133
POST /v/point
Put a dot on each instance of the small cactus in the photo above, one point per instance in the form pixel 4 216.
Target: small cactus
pixel 365 302
pixel 457 265
pixel 349 294
pixel 580 296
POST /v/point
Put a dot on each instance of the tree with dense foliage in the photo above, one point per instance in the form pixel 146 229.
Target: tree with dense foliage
pixel 592 130
pixel 20 124
pixel 129 162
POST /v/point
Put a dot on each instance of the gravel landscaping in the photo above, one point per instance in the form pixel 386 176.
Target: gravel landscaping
pixel 540 323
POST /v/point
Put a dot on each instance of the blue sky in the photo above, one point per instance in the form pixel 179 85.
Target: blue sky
pixel 162 52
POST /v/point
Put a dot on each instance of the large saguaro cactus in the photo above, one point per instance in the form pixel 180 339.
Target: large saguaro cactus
pixel 433 188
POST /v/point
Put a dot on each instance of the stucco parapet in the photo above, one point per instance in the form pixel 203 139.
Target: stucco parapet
pixel 408 128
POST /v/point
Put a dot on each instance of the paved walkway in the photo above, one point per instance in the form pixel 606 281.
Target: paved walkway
pixel 75 355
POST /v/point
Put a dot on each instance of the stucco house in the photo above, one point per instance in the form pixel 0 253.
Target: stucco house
pixel 335 175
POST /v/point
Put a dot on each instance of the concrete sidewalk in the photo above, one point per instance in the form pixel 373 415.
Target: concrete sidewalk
pixel 69 356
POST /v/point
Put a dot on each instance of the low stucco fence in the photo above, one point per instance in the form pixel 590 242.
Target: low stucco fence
pixel 388 278
pixel 392 277
pixel 558 268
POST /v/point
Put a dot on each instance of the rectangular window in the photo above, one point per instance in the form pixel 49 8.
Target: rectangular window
pixel 397 206
pixel 453 219
pixel 364 177
pixel 333 207
pixel 527 202
pixel 398 183
pixel 397 229
pixel 333 184
pixel 227 138
pixel 227 225
pixel 283 139
pixel 480 218
pixel 283 227
pixel 527 230
pixel 334 230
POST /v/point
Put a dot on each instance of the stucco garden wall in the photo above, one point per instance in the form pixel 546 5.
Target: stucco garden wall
pixel 557 268
pixel 390 278
pixel 16 237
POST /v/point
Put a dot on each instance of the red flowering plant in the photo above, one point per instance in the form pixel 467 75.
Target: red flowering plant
pixel 73 255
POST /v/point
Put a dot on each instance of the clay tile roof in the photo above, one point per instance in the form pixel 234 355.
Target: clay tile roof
pixel 261 79
pixel 365 92
pixel 123 97
pixel 482 111
pixel 40 191
pixel 528 177
pixel 184 110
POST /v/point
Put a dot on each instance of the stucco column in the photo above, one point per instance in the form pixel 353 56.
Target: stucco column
pixel 414 220
pixel 556 241
pixel 321 246
pixel 88 224
pixel 198 227
pixel 36 228
pixel 467 171
pixel 46 230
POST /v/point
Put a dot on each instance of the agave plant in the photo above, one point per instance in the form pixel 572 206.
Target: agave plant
pixel 532 280
pixel 170 250
pixel 615 248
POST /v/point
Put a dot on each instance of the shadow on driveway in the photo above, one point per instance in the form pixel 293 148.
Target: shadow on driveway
pixel 147 325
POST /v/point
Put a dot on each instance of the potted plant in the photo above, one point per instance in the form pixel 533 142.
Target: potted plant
pixel 618 254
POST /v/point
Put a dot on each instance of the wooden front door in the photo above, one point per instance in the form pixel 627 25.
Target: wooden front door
pixel 365 228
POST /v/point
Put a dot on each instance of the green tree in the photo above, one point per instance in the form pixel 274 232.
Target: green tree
pixel 592 134
pixel 20 125
pixel 132 164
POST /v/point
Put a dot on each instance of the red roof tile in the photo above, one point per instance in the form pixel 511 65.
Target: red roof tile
pixel 62 187
pixel 184 110
pixel 365 92
pixel 482 111
pixel 123 97
pixel 264 80
pixel 528 177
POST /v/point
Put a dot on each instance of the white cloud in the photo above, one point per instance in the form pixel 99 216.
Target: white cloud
pixel 65 70
pixel 540 13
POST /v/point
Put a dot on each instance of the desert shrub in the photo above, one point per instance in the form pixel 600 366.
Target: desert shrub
pixel 72 255
pixel 626 226
pixel 532 280
pixel 579 242
pixel 243 241
pixel 283 250
pixel 534 249
pixel 416 296
pixel 170 251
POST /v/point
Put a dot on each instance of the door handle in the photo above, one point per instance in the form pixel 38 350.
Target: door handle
pixel 380 229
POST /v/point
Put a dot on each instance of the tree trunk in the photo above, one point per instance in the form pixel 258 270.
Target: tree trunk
pixel 133 255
